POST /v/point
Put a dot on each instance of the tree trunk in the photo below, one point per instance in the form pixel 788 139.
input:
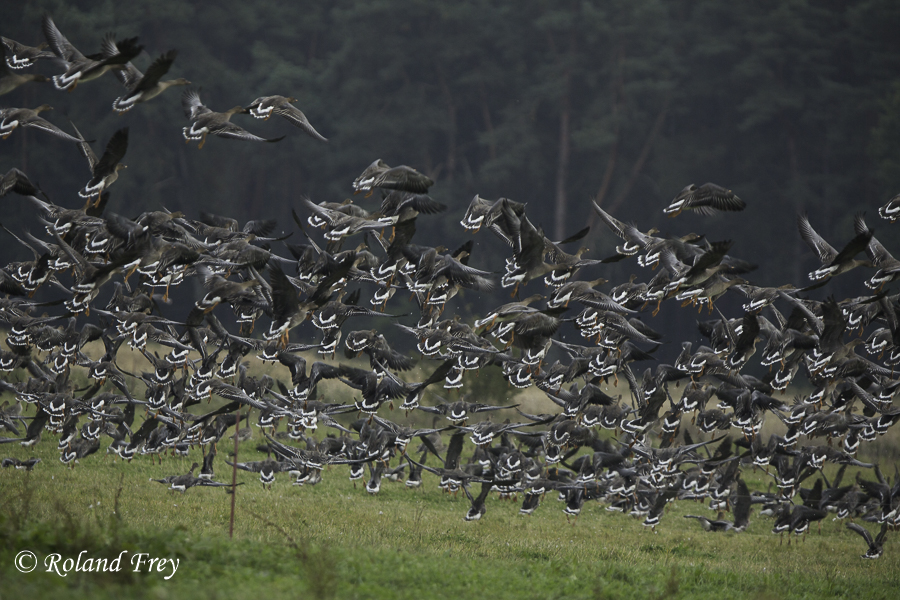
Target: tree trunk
pixel 617 85
pixel 799 246
pixel 488 123
pixel 562 165
pixel 451 124
pixel 642 157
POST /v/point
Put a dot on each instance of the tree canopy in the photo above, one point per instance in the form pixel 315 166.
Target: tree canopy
pixel 794 105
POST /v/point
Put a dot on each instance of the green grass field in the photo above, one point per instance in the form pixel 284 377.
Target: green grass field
pixel 334 540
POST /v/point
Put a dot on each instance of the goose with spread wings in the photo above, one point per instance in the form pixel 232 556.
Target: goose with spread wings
pixel 876 545
pixel 10 80
pixel 10 118
pixel 143 86
pixel 266 106
pixel 205 121
pixel 104 170
pixel 833 262
pixel 379 174
pixel 21 56
pixel 81 68
pixel 180 483
pixel 705 199
pixel 266 469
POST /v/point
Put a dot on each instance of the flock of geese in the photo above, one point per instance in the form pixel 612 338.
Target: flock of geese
pixel 107 278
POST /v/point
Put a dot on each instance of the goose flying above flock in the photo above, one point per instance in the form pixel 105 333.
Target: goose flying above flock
pixel 10 59
pixel 10 118
pixel 81 68
pixel 633 452
pixel 21 56
pixel 143 87
pixel 206 121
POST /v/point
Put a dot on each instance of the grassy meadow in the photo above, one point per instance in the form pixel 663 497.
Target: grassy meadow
pixel 334 540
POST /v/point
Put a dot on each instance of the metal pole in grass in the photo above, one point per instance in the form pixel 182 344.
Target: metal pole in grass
pixel 237 428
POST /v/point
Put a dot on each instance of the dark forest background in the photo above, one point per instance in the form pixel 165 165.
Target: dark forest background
pixel 793 104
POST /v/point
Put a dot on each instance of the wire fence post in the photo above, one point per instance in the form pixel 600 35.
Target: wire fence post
pixel 237 429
